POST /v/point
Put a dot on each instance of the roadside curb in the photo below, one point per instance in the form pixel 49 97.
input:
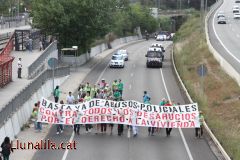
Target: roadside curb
pixel 225 65
pixel 214 139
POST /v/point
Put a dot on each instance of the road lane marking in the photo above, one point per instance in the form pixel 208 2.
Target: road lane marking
pixel 238 36
pixel 131 74
pixel 66 150
pixel 72 136
pixel 214 30
pixel 130 87
pixel 180 130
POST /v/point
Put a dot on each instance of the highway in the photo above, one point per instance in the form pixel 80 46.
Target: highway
pixel 225 37
pixel 160 83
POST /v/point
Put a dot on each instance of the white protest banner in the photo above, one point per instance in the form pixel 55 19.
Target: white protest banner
pixel 121 112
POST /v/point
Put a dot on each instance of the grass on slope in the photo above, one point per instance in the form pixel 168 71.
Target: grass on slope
pixel 220 99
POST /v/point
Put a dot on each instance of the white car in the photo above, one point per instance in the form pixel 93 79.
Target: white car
pixel 155 49
pixel 222 20
pixel 122 52
pixel 236 9
pixel 161 37
pixel 158 45
pixel 236 16
pixel 117 61
pixel 220 14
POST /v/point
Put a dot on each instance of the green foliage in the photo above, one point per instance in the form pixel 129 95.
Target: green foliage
pixel 80 22
pixel 75 22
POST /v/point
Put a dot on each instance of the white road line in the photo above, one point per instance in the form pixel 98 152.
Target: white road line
pixel 130 87
pixel 238 36
pixel 66 151
pixel 131 74
pixel 72 136
pixel 180 130
pixel 230 53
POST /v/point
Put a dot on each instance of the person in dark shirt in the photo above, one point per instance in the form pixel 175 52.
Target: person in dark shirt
pixel 6 148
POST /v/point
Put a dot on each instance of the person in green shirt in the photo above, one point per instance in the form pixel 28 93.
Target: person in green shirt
pixel 199 131
pixel 93 92
pixel 120 86
pixel 87 87
pixel 56 94
pixel 163 102
pixel 117 95
pixel 87 97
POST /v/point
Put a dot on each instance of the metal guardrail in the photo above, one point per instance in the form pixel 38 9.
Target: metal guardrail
pixel 38 65
pixel 13 105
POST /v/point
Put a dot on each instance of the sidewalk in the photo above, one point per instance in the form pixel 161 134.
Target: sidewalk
pixel 14 87
pixel 10 30
pixel 70 84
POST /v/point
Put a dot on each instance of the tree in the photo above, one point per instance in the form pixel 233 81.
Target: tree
pixel 76 22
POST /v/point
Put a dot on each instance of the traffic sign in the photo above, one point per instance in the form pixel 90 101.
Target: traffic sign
pixel 202 70
pixel 53 62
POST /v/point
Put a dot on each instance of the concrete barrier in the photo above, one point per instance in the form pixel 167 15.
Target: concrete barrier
pixel 185 91
pixel 226 66
pixel 13 125
pixel 77 61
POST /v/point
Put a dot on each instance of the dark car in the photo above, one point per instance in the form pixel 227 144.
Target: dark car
pixel 154 59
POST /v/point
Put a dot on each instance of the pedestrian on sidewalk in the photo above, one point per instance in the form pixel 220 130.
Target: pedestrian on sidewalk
pixel 30 44
pixel 19 68
pixel 6 148
pixel 40 45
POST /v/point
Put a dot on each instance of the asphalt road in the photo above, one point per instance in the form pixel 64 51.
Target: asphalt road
pixel 136 78
pixel 225 37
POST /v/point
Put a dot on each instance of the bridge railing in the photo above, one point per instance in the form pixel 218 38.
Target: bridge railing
pixel 6 63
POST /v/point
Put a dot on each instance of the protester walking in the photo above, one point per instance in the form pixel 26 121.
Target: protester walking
pixel 120 87
pixel 40 45
pixel 6 148
pixel 56 94
pixel 168 130
pixel 146 97
pixel 37 125
pixel 199 131
pixel 60 126
pixel 19 68
pixel 70 98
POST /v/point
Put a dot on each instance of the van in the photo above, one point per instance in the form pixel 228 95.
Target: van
pixel 154 59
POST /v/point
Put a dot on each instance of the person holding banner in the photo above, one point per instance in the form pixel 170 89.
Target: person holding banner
pixel 59 126
pixel 70 98
pixel 168 130
pixel 199 131
pixel 150 129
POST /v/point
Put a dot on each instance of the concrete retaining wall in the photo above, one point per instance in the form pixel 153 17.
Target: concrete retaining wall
pixel 73 61
pixel 13 125
pixel 226 66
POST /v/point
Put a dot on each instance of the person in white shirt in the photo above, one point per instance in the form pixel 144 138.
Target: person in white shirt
pixel 70 98
pixel 19 68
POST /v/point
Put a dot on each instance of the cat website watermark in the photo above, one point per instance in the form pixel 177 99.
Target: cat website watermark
pixel 44 145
